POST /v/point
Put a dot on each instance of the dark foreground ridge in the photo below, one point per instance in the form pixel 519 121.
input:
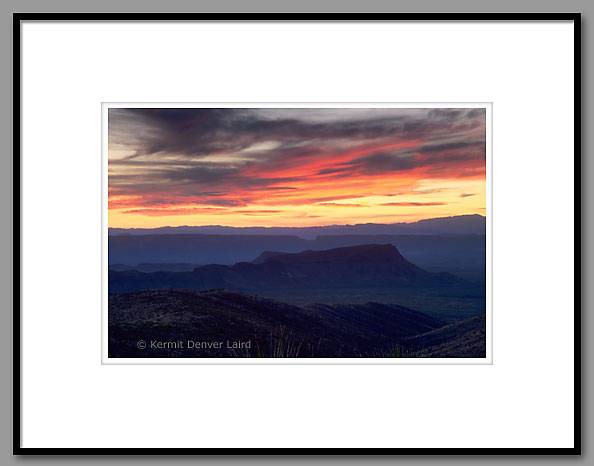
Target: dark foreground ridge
pixel 370 265
pixel 454 340
pixel 222 323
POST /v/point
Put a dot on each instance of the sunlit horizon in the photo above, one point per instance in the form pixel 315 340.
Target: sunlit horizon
pixel 300 226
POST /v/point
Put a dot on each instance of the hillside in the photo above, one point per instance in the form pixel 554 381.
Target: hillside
pixel 185 323
pixel 463 339
pixel 274 329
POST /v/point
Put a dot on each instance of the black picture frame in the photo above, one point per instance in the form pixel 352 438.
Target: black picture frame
pixel 326 17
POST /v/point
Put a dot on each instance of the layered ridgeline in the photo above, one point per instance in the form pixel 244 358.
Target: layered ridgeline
pixel 457 225
pixel 453 244
pixel 212 311
pixel 249 293
pixel 365 266
pixel 220 323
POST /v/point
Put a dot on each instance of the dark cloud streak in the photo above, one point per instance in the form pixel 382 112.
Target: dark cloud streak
pixel 230 157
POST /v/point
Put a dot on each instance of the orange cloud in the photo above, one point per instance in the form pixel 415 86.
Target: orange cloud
pixel 192 165
pixel 413 204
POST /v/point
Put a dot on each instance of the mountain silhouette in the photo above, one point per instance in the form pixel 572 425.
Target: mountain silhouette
pixel 370 265
pixel 459 224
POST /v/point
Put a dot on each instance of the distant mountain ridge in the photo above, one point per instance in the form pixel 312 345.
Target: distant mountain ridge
pixel 371 265
pixel 461 224
pixel 462 255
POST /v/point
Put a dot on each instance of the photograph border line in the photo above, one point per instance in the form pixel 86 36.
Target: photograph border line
pixel 430 17
pixel 487 360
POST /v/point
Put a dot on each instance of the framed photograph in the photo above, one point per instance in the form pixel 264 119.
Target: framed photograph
pixel 301 232
pixel 366 222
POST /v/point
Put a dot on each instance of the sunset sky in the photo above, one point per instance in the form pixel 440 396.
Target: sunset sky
pixel 293 167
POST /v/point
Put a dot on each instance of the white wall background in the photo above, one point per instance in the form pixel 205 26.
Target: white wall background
pixel 525 399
